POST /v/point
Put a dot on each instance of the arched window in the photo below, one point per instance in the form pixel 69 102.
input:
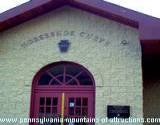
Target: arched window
pixel 66 74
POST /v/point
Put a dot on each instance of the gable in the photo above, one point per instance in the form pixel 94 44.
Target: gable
pixel 66 23
pixel 148 26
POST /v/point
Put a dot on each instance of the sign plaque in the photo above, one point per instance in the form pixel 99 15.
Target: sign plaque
pixel 118 111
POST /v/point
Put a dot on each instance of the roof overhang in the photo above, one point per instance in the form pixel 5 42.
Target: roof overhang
pixel 149 27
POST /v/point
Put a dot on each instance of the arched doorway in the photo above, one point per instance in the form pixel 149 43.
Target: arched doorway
pixel 63 90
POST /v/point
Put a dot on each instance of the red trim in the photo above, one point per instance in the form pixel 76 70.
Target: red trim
pixel 37 89
pixel 27 12
pixel 49 66
pixel 149 27
pixel 98 8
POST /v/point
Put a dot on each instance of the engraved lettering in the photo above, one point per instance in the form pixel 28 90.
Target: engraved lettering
pixel 101 40
pixel 82 34
pixel 53 34
pixel 65 33
pixel 72 33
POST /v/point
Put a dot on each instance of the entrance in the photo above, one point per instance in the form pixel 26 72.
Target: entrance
pixel 65 92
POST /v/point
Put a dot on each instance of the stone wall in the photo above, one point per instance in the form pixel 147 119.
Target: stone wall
pixel 109 50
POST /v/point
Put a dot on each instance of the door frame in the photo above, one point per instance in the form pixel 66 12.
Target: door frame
pixel 34 90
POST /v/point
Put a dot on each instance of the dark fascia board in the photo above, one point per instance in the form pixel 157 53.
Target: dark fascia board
pixel 149 27
pixel 27 11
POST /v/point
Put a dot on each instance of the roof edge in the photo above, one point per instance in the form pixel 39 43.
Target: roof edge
pixel 149 27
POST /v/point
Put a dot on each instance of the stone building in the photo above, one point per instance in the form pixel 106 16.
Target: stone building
pixel 78 58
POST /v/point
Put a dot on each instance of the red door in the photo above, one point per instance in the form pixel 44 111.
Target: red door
pixel 63 91
pixel 47 105
pixel 79 105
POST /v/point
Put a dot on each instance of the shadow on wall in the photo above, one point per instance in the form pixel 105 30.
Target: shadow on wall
pixel 151 84
pixel 151 99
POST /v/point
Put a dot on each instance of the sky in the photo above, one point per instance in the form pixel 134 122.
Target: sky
pixel 149 7
pixel 8 4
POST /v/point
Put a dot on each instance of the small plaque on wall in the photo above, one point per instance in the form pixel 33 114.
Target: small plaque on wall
pixel 118 111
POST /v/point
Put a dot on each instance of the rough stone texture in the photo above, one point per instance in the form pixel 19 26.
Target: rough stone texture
pixel 111 53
